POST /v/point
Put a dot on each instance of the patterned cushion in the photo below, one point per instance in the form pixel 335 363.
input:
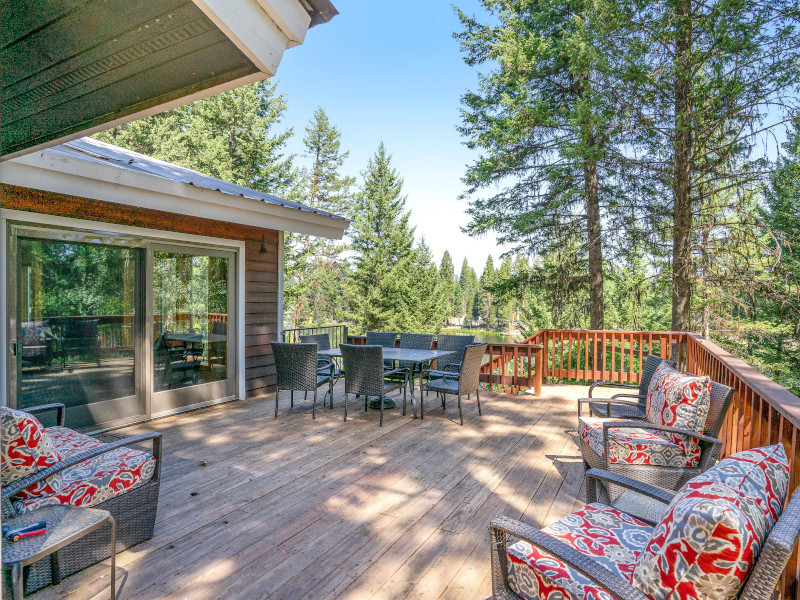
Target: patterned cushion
pixel 26 449
pixel 714 528
pixel 637 446
pixel 95 480
pixel 761 474
pixel 678 400
pixel 615 540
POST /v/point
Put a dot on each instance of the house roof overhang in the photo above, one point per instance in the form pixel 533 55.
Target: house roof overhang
pixel 74 67
pixel 91 169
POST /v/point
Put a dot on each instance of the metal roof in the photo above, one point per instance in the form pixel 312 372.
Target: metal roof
pixel 96 151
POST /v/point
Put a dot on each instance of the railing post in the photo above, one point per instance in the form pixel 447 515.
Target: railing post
pixel 538 353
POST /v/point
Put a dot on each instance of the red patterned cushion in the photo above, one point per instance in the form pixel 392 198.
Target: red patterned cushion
pixel 615 540
pixel 678 400
pixel 712 533
pixel 95 480
pixel 26 449
pixel 637 446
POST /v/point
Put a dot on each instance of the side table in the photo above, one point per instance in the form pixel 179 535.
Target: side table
pixel 65 524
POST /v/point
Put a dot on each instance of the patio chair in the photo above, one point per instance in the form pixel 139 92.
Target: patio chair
pixel 655 451
pixel 467 382
pixel 57 465
pixel 323 342
pixel 447 366
pixel 617 408
pixel 725 534
pixel 367 377
pixel 414 341
pixel 298 370
pixel 385 339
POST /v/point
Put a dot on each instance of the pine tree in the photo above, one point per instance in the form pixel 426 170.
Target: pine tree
pixel 485 302
pixel 448 284
pixel 315 268
pixel 468 281
pixel 429 291
pixel 544 119
pixel 382 240
pixel 230 136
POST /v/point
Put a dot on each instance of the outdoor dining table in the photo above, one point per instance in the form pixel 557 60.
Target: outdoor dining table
pixel 415 357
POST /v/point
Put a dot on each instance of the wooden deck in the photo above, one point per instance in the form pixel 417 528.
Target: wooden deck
pixel 294 508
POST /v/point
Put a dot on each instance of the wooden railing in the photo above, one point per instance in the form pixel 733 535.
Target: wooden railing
pixel 511 368
pixel 599 355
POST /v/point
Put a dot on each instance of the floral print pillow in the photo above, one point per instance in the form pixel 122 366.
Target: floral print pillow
pixel 26 448
pixel 678 400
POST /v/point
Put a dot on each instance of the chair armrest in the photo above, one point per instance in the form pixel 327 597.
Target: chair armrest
pixel 502 527
pixel 57 406
pixel 398 371
pixel 651 491
pixel 607 401
pixel 615 396
pixel 325 363
pixel 611 384
pixel 456 367
pixel 18 486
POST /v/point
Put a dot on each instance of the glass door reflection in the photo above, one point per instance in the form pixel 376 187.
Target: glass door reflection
pixel 76 315
pixel 190 326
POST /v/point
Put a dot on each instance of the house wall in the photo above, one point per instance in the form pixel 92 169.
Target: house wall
pixel 261 269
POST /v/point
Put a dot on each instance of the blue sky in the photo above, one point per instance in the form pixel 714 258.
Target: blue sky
pixel 389 70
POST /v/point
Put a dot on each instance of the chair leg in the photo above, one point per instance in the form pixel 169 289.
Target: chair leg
pixel 291 398
pixel 276 403
pixel 305 395
pixel 460 415
pixel 331 392
pixel 314 406
pixel 345 407
pixel 478 398
pixel 381 410
pixel 422 403
pixel 366 403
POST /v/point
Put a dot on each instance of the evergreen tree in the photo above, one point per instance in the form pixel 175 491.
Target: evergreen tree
pixel 230 136
pixel 484 303
pixel 315 268
pixel 429 291
pixel 382 240
pixel 449 285
pixel 544 118
pixel 468 280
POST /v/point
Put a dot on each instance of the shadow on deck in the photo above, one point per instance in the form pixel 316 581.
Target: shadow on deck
pixel 297 508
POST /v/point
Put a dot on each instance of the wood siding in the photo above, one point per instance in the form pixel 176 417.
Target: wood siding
pixel 261 269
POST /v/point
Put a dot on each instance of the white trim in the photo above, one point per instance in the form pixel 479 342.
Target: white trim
pixel 58 172
pixel 290 16
pixel 281 242
pixel 3 316
pixel 241 381
pixel 153 110
pixel 248 26
pixel 236 246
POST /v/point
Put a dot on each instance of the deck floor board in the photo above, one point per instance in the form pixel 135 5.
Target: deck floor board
pixel 294 508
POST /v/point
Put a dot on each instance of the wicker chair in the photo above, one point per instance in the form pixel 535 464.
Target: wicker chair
pixel 617 408
pixel 763 576
pixel 447 366
pixel 367 377
pixel 298 370
pixel 134 511
pixel 380 338
pixel 467 382
pixel 671 478
pixel 414 341
pixel 323 342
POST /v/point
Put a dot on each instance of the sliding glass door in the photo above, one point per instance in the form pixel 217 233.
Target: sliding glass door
pixel 118 328
pixel 192 326
pixel 77 328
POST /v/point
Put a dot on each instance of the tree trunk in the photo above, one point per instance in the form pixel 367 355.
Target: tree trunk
pixel 594 244
pixel 682 149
